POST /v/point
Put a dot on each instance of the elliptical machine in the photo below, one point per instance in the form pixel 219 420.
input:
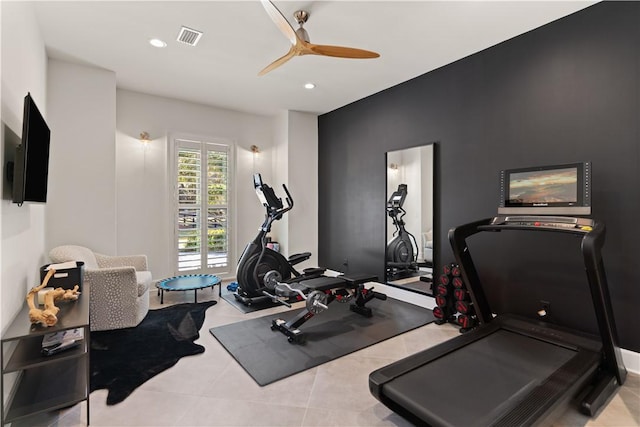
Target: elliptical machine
pixel 265 275
pixel 402 250
pixel 257 259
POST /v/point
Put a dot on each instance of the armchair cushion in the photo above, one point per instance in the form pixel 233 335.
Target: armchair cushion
pixel 427 246
pixel 139 262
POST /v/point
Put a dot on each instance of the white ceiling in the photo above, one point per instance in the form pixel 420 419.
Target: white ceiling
pixel 412 37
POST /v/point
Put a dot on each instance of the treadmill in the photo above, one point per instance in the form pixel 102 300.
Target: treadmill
pixel 511 370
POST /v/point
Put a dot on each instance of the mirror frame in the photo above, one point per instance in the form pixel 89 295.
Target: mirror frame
pixel 426 287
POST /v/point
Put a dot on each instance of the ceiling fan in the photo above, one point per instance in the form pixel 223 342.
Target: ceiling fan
pixel 299 39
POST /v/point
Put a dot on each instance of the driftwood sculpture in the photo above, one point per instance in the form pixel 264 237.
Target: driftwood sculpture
pixel 47 317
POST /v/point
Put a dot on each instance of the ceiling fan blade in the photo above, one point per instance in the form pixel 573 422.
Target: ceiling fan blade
pixel 340 51
pixel 281 22
pixel 278 62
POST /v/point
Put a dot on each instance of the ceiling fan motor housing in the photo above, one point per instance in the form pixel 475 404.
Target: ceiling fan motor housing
pixel 301 17
pixel 302 34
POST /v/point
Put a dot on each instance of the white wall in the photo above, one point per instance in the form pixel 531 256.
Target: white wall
pixel 426 184
pixel 144 215
pixel 411 166
pixel 107 193
pixel 110 193
pixel 296 165
pixel 23 69
pixel 395 177
pixel 81 206
pixel 280 229
pixel 303 185
pixel 409 163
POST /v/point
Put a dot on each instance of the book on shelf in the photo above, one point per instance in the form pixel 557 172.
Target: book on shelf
pixel 56 342
pixel 62 266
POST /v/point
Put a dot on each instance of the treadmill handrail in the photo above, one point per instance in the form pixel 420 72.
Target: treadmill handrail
pixel 591 247
pixel 457 238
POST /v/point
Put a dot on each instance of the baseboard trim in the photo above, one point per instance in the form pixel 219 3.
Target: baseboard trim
pixel 631 360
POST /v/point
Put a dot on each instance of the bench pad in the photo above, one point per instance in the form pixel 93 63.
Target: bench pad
pixel 323 283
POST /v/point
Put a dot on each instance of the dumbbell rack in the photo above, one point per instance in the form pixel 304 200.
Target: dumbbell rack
pixel 453 303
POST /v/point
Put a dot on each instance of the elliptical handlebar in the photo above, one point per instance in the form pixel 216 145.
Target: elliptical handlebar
pixel 396 201
pixel 288 199
pixel 273 203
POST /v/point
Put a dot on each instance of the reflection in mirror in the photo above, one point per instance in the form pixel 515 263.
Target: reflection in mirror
pixel 409 252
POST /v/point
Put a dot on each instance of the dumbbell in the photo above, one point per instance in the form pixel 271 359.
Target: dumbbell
pixel 444 279
pixel 455 270
pixel 465 307
pixel 458 283
pixel 441 301
pixel 441 313
pixel 467 321
pixel 446 269
pixel 461 294
pixel 442 290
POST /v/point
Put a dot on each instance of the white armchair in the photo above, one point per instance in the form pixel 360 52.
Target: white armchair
pixel 118 286
pixel 427 246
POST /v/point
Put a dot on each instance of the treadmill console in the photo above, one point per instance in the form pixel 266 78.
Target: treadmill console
pixel 543 222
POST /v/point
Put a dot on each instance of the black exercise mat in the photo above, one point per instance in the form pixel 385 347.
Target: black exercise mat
pixel 268 357
pixel 229 297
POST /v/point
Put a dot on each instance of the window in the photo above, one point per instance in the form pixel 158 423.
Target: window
pixel 202 184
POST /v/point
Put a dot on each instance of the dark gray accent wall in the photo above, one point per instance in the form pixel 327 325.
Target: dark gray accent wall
pixel 563 93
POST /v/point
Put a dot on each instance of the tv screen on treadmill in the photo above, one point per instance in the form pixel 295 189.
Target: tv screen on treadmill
pixel 561 189
pixel 541 188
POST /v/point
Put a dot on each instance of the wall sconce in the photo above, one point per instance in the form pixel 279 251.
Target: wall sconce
pixel 256 152
pixel 393 166
pixel 144 138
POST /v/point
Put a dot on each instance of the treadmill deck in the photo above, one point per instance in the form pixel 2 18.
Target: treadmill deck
pixel 506 374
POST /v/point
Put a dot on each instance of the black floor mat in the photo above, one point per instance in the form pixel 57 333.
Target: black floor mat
pixel 229 297
pixel 267 356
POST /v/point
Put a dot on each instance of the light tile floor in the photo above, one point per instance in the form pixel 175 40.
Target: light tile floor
pixel 211 389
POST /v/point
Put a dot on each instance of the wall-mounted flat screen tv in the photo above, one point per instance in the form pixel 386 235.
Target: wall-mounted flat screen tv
pixel 546 190
pixel 31 166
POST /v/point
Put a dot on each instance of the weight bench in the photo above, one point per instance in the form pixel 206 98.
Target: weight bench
pixel 318 293
pixel 322 283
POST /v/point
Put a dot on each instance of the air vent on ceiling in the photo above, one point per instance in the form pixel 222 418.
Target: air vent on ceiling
pixel 189 36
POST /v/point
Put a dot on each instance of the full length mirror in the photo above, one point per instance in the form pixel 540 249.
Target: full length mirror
pixel 409 251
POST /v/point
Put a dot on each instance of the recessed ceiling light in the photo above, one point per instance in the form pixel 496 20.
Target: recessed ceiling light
pixel 157 43
pixel 309 85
